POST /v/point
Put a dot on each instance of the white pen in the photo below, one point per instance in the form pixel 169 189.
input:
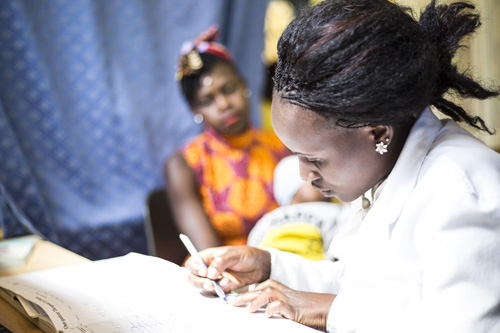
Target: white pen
pixel 194 253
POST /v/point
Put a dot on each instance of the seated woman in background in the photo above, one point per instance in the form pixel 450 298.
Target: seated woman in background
pixel 221 182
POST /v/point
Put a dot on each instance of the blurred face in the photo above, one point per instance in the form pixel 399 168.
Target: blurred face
pixel 340 162
pixel 221 101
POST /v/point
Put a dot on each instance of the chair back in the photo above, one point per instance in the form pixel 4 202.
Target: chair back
pixel 161 231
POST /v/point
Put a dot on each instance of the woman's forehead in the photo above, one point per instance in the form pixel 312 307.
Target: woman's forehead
pixel 300 129
pixel 218 76
pixel 294 115
pixel 222 71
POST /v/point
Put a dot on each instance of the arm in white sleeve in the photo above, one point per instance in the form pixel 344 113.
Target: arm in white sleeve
pixel 461 264
pixel 459 247
pixel 299 273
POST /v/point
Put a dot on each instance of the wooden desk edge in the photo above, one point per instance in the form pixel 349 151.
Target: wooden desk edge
pixel 45 255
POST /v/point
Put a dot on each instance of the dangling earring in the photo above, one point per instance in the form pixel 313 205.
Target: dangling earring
pixel 381 147
pixel 198 118
pixel 247 93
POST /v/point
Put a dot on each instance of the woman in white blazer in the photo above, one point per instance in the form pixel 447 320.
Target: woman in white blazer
pixel 421 250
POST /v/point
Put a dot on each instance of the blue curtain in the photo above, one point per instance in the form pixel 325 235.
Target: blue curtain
pixel 90 110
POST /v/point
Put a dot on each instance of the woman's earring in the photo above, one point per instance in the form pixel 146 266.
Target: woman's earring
pixel 198 118
pixel 247 93
pixel 381 147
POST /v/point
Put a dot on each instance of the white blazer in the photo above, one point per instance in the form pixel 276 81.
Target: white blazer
pixel 427 255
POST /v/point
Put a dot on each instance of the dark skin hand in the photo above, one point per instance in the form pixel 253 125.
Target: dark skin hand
pixel 310 309
pixel 235 267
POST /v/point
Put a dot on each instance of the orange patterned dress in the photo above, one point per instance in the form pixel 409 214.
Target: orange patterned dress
pixel 235 176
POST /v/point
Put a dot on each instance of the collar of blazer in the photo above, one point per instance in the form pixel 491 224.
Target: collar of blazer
pixel 403 178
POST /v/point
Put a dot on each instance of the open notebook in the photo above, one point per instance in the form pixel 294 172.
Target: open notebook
pixel 133 293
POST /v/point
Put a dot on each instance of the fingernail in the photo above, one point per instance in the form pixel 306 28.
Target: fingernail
pixel 223 282
pixel 202 272
pixel 207 285
pixel 212 273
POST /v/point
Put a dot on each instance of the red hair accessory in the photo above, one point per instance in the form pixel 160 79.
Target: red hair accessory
pixel 190 61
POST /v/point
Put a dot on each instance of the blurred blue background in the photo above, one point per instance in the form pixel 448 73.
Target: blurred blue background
pixel 90 110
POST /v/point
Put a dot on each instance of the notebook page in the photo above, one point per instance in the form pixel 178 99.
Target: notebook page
pixel 133 293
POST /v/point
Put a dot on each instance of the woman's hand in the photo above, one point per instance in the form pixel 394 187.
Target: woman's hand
pixel 232 266
pixel 310 309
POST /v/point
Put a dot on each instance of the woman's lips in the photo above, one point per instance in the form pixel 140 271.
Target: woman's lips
pixel 231 120
pixel 324 192
pixel 327 193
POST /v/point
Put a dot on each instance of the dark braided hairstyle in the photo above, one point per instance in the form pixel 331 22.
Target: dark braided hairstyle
pixel 369 62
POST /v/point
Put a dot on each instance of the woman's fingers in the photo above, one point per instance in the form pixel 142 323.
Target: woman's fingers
pixel 244 299
pixel 267 294
pixel 217 259
pixel 232 267
pixel 195 267
pixel 220 263
pixel 307 308
pixel 258 299
pixel 200 282
pixel 269 285
pixel 263 299
pixel 279 308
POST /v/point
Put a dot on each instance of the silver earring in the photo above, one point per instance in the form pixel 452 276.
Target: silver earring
pixel 198 118
pixel 381 147
pixel 247 93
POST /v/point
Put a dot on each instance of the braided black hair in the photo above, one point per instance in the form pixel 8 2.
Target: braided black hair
pixel 369 62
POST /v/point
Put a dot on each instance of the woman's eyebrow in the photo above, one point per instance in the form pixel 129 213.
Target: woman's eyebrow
pixel 302 154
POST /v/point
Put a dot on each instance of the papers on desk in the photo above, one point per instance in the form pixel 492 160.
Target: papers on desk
pixel 133 293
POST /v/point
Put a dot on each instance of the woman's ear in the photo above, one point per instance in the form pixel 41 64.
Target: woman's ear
pixel 382 133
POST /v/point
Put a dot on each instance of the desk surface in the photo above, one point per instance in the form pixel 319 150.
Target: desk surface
pixel 45 255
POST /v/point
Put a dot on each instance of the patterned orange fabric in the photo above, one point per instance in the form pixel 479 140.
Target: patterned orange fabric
pixel 235 176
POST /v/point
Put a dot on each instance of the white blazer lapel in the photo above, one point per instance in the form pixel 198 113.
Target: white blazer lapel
pixel 402 179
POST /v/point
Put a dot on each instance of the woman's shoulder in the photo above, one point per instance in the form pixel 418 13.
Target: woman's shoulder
pixel 457 145
pixel 194 149
pixel 465 160
pixel 196 140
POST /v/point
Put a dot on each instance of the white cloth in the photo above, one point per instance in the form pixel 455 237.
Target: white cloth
pixel 286 181
pixel 426 258
pixel 343 240
pixel 326 216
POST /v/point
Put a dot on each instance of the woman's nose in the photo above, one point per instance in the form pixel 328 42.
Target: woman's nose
pixel 306 173
pixel 222 102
